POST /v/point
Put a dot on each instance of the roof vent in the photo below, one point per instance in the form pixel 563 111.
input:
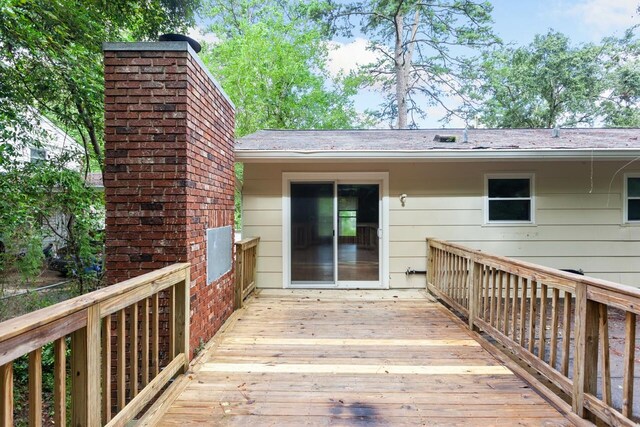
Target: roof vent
pixel 444 138
pixel 555 132
pixel 465 135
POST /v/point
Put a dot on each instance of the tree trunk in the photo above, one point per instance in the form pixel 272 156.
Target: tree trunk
pixel 401 75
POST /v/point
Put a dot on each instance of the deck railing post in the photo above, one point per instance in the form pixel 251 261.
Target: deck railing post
pixel 240 255
pixel 430 263
pixel 475 281
pixel 183 308
pixel 86 371
pixel 585 367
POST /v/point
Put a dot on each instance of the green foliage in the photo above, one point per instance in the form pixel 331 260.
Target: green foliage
pixel 552 82
pixel 270 58
pixel 51 58
pixel 51 64
pixel 271 62
pixel 422 48
pixel 32 195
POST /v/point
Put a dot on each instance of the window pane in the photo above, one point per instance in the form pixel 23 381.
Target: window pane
pixel 633 187
pixel 347 226
pixel 347 203
pixel 509 210
pixel 633 208
pixel 507 187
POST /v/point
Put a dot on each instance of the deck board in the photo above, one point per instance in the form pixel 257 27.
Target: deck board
pixel 353 359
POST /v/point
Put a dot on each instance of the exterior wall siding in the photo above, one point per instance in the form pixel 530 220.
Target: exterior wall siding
pixel 578 215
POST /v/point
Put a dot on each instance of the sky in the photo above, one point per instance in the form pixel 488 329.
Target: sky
pixel 515 21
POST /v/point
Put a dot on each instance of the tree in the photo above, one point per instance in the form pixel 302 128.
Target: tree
pixel 422 46
pixel 270 58
pixel 547 83
pixel 51 59
pixel 271 61
pixel 32 197
pixel 551 83
pixel 51 64
pixel 621 106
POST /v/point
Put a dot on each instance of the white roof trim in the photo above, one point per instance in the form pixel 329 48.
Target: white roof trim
pixel 478 154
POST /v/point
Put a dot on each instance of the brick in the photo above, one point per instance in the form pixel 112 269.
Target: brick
pixel 169 174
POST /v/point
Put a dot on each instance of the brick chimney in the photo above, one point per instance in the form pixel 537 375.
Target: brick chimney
pixel 169 132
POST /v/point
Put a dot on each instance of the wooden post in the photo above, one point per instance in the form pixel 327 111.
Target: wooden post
pixel 239 277
pixel 35 388
pixel 182 318
pixel 475 281
pixel 585 366
pixel 430 263
pixel 85 371
pixel 6 395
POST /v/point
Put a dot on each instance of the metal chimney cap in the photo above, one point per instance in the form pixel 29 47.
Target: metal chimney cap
pixel 181 38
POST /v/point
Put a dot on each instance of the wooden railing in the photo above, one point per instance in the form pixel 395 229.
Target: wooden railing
pixel 145 308
pixel 246 258
pixel 549 319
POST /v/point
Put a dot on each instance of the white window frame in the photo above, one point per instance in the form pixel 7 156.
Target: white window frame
pixel 532 198
pixel 625 201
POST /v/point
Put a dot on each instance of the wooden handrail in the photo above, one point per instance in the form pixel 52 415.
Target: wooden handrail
pixel 87 321
pixel 246 261
pixel 535 312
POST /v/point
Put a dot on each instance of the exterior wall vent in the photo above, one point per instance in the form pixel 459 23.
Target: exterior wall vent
pixel 444 138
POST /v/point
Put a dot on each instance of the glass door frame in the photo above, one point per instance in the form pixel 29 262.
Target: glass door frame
pixel 380 178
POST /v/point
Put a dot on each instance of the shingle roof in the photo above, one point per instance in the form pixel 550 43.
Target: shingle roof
pixel 424 140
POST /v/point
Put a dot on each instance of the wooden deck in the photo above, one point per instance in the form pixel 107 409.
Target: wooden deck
pixel 351 358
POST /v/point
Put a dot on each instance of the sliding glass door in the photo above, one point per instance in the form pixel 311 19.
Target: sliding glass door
pixel 335 234
pixel 312 248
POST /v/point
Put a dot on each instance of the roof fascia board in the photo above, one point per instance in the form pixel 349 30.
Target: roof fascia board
pixel 548 154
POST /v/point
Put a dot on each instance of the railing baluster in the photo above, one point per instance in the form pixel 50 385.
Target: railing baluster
pixel 629 364
pixel 121 361
pixel 507 302
pixel 566 333
pixel 553 356
pixel 532 315
pixel 486 302
pixel 492 310
pixel 542 340
pixel 60 381
pixel 172 322
pixel 106 369
pixel 145 343
pixel 514 309
pixel 35 387
pixel 523 312
pixel 155 327
pixel 499 301
pixel 133 350
pixel 182 307
pixel 6 391
pixel 605 365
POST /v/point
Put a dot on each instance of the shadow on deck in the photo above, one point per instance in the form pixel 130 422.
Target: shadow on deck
pixel 350 358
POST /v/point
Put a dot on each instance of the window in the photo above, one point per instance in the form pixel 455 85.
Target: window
pixel 632 198
pixel 347 216
pixel 509 198
pixel 38 154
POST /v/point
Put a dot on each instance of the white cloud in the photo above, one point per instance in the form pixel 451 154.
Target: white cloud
pixel 347 57
pixel 604 17
pixel 200 35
